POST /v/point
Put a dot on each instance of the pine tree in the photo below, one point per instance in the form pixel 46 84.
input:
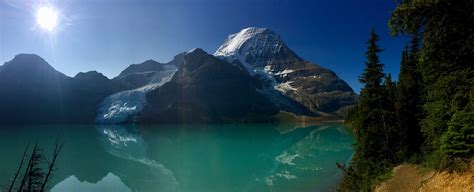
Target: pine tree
pixel 390 118
pixel 457 144
pixel 391 89
pixel 372 121
pixel 433 99
pixel 371 126
pixel 373 72
pixel 459 139
pixel 409 101
pixel 445 64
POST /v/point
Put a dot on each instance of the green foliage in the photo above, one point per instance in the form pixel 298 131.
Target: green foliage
pixel 409 101
pixel 388 174
pixel 352 115
pixel 445 60
pixel 441 161
pixel 372 121
pixel 390 90
pixel 373 72
pixel 458 141
pixel 455 164
pixel 428 116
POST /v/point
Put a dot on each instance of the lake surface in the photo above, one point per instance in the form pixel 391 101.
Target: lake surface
pixel 263 157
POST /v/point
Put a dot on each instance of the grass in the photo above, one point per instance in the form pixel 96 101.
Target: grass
pixel 383 177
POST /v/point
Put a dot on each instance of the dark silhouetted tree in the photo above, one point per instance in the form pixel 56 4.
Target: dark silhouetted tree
pixel 35 176
pixel 409 101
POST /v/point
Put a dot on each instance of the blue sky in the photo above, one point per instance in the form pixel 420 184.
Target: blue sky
pixel 109 35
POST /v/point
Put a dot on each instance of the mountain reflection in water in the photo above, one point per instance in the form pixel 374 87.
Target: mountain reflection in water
pixel 219 157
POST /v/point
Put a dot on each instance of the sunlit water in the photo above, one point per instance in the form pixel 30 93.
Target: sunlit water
pixel 264 157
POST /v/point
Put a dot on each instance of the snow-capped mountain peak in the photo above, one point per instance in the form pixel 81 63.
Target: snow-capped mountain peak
pixel 265 56
pixel 252 42
pixel 257 46
pixel 192 50
pixel 235 42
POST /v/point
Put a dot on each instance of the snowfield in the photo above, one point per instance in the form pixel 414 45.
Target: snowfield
pixel 285 87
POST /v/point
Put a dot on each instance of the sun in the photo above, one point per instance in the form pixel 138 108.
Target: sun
pixel 47 18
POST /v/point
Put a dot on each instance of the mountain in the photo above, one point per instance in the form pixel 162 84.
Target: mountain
pixel 207 89
pixel 147 66
pixel 34 92
pixel 84 94
pixel 265 54
pixel 139 75
pixel 135 81
pixel 251 77
pixel 31 91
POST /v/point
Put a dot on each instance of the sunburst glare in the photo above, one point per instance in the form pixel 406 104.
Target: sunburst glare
pixel 47 18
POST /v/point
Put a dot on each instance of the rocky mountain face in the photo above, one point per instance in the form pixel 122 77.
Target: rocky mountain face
pixel 34 92
pixel 86 91
pixel 207 89
pixel 135 82
pixel 263 51
pixel 139 75
pixel 145 67
pixel 251 77
pixel 29 87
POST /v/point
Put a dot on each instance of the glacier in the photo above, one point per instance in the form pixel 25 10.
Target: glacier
pixel 124 106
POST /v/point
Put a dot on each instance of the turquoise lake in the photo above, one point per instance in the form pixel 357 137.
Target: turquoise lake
pixel 185 158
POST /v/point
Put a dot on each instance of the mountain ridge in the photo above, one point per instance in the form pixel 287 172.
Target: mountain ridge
pixel 264 52
pixel 259 64
pixel 208 90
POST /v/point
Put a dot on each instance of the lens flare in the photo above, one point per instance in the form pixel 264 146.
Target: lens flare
pixel 47 18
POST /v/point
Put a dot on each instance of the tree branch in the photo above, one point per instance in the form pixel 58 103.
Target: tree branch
pixel 19 168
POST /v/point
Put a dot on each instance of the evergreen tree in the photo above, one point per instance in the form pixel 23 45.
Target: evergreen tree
pixel 390 118
pixel 391 89
pixel 445 64
pixel 409 101
pixel 458 141
pixel 390 85
pixel 433 100
pixel 373 72
pixel 372 121
pixel 371 126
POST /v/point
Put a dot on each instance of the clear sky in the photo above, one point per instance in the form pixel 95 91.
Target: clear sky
pixel 109 35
